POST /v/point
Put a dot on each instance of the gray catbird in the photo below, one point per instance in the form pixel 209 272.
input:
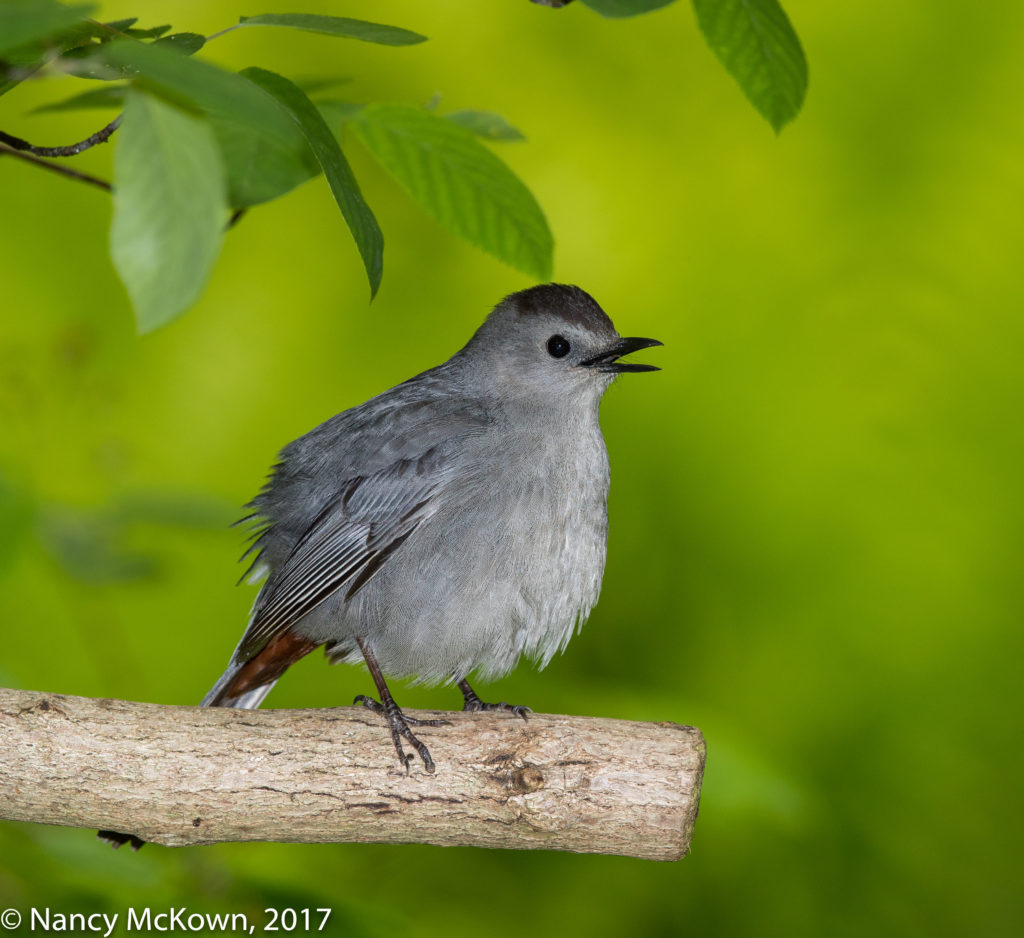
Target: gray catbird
pixel 449 525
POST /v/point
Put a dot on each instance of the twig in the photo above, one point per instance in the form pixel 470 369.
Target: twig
pixel 222 32
pixel 101 136
pixel 190 775
pixel 54 167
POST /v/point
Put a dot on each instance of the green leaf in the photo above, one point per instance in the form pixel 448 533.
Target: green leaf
pixel 460 182
pixel 486 124
pixel 85 62
pixel 153 32
pixel 263 161
pixel 26 21
pixel 19 65
pixel 337 26
pixel 265 154
pixel 91 60
pixel 361 221
pixel 756 43
pixel 109 96
pixel 617 9
pixel 169 207
pixel 185 43
pixel 122 25
pixel 25 60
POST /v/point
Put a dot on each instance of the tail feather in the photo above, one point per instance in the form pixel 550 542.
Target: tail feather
pixel 220 695
pixel 245 683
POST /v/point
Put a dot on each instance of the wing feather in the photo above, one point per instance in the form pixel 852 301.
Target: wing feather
pixel 348 542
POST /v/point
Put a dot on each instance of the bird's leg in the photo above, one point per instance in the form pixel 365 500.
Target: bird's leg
pixel 475 703
pixel 398 722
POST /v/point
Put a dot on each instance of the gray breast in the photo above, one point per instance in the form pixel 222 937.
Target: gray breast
pixel 509 563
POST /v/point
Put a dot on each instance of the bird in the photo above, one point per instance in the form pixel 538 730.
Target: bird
pixel 447 527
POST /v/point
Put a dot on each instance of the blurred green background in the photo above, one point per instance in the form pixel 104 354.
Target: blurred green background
pixel 816 511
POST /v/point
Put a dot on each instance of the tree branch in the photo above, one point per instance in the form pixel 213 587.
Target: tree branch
pixel 73 149
pixel 56 168
pixel 189 775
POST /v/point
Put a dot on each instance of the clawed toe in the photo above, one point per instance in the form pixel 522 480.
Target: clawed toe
pixel 398 724
pixel 415 722
pixel 368 702
pixel 478 706
pixel 376 707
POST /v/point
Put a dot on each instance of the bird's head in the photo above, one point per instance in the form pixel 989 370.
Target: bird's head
pixel 553 338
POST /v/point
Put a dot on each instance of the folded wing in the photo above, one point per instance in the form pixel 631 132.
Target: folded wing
pixel 350 540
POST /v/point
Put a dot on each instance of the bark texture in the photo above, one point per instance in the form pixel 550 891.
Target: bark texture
pixel 185 775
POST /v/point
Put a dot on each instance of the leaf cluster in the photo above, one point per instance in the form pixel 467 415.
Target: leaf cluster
pixel 198 145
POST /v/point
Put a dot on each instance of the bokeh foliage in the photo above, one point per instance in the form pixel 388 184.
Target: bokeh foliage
pixel 816 508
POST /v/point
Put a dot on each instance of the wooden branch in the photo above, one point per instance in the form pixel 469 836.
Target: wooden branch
pixel 55 168
pixel 190 775
pixel 73 149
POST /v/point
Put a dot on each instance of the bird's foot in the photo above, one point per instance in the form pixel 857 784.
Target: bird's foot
pixel 398 724
pixel 116 839
pixel 475 704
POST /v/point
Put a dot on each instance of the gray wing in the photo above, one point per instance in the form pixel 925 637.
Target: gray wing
pixel 347 544
pixel 401 424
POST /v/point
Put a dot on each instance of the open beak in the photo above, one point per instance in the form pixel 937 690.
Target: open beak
pixel 608 360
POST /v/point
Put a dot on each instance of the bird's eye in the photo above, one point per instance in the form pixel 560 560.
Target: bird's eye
pixel 558 347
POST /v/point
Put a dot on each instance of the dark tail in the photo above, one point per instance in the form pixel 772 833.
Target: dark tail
pixel 243 685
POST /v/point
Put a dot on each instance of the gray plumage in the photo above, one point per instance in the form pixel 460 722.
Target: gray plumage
pixel 456 522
